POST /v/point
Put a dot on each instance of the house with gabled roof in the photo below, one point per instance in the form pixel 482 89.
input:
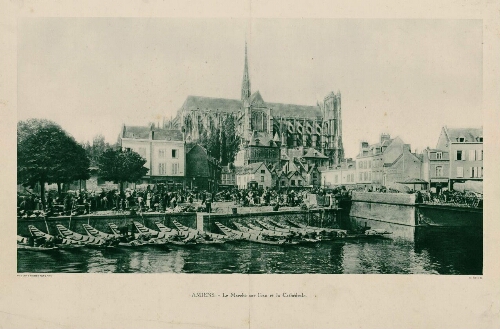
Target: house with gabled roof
pixel 254 175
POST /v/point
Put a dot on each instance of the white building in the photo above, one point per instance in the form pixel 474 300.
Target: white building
pixel 163 150
pixel 342 174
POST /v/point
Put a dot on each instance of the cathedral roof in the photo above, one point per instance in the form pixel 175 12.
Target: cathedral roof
pixel 194 103
pixel 294 111
pixel 256 99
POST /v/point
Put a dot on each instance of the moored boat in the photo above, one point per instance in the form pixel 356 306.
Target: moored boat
pixel 59 242
pixel 252 237
pixel 199 236
pixel 122 240
pixel 88 240
pixel 34 245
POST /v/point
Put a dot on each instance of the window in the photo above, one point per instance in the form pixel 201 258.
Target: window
pixel 161 169
pixel 460 171
pixel 263 171
pixel 360 176
pixel 336 178
pixel 283 183
pixel 479 155
pixel 439 171
pixel 473 172
pixel 472 155
pixel 481 139
pixel 369 176
pixel 175 168
pixel 439 155
pixel 369 164
pixel 161 153
pixel 481 172
pixel 459 155
pixel 293 182
pixel 461 139
pixel 300 183
pixel 262 178
pixel 174 154
pixel 366 176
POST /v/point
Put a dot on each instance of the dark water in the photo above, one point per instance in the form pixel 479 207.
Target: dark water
pixel 430 251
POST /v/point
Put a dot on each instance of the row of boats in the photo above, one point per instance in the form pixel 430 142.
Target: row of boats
pixel 264 232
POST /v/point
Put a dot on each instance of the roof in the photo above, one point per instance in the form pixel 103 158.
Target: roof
pixel 294 111
pixel 256 99
pixel 193 103
pixel 470 134
pixel 143 132
pixel 250 168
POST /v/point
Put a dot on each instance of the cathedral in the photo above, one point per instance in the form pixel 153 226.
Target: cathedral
pixel 267 130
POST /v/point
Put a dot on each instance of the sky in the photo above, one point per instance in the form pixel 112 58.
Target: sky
pixel 404 77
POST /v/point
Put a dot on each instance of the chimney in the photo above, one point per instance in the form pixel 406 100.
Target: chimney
pixel 406 147
pixel 384 137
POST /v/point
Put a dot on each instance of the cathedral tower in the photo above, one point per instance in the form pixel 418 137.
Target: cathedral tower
pixel 245 84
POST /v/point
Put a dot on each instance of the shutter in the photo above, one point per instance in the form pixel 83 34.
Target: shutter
pixel 471 172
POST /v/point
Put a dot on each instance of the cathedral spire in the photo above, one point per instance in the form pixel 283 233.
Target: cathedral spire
pixel 245 85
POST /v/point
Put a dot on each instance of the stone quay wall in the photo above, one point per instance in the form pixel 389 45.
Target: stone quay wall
pixel 396 208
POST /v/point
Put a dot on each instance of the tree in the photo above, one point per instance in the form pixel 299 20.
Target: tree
pixel 121 166
pixel 94 151
pixel 232 139
pixel 47 154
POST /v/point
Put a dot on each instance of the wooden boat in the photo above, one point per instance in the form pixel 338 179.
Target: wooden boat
pixel 88 240
pixel 200 236
pixel 24 244
pixel 262 230
pixel 252 237
pixel 155 234
pixel 122 240
pixel 336 231
pixel 61 243
pixel 172 237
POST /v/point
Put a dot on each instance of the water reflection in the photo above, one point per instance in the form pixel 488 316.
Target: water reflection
pixel 428 251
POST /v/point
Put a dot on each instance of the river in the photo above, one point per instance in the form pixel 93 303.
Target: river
pixel 431 251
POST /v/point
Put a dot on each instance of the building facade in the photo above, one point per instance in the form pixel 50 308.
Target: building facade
pixel 203 172
pixel 163 150
pixel 387 162
pixel 436 168
pixel 465 148
pixel 254 175
pixel 341 174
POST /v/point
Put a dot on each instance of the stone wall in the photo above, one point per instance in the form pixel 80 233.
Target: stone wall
pixel 391 198
pixel 397 208
pixel 101 222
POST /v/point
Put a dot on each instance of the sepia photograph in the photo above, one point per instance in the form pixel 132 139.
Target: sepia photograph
pixel 250 146
pixel 249 164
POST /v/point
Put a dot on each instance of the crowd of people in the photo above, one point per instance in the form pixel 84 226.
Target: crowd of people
pixel 155 198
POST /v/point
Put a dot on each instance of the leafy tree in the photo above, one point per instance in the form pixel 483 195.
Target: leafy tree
pixel 223 148
pixel 47 154
pixel 232 139
pixel 121 166
pixel 94 151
